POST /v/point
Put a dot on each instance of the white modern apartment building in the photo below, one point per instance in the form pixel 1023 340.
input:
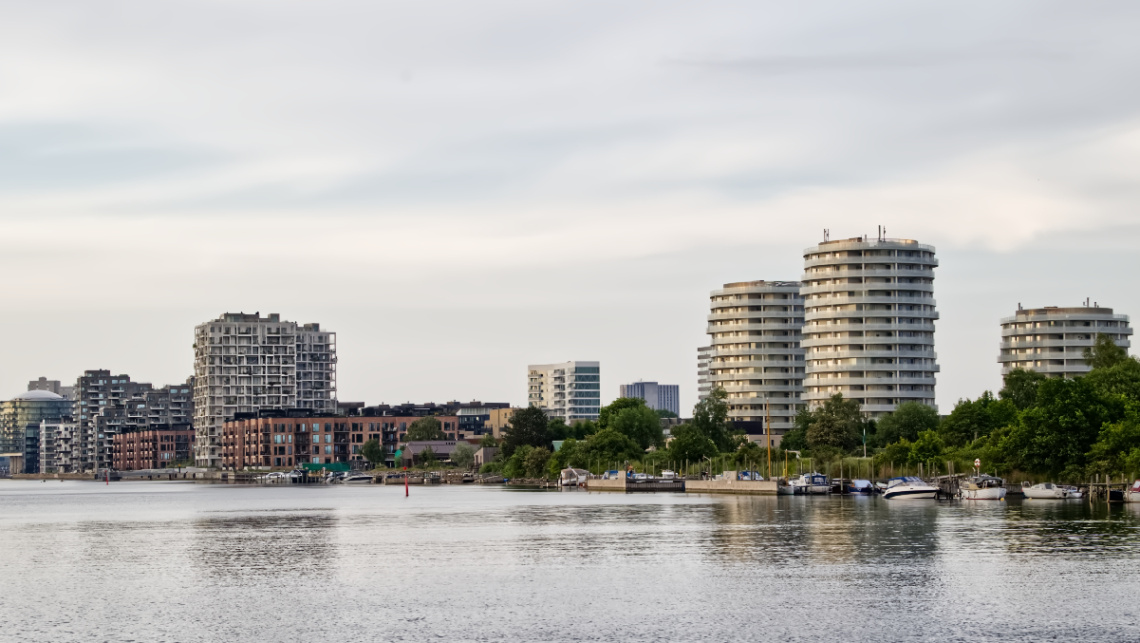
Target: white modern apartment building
pixel 244 363
pixel 1052 340
pixel 659 397
pixel 869 315
pixel 570 391
pixel 756 355
pixel 704 354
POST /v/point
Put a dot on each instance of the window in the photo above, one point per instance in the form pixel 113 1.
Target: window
pixel 316 439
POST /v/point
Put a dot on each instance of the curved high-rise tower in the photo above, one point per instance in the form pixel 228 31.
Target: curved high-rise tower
pixel 756 356
pixel 869 316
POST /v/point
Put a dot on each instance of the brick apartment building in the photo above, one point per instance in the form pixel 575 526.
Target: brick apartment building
pixel 289 438
pixel 152 448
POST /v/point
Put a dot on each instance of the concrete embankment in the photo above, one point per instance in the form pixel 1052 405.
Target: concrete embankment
pixel 745 487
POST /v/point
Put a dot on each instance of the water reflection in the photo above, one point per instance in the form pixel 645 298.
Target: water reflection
pixel 270 544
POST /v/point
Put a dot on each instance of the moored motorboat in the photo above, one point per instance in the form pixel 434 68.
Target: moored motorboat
pixel 574 477
pixel 1133 494
pixel 784 489
pixel 863 487
pixel 811 483
pixel 982 487
pixel 909 488
pixel 1073 493
pixel 1044 491
pixel 357 478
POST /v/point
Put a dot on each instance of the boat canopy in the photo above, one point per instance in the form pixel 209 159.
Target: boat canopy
pixel 905 480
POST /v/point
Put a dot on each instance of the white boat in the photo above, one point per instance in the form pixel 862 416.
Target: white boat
pixel 784 489
pixel 1133 494
pixel 909 488
pixel 1074 493
pixel 982 487
pixel 810 483
pixel 574 477
pixel 1044 491
pixel 356 478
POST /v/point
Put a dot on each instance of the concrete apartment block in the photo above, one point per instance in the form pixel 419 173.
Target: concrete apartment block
pixel 1052 340
pixel 756 354
pixel 659 397
pixel 244 363
pixel 869 314
pixel 704 355
pixel 570 391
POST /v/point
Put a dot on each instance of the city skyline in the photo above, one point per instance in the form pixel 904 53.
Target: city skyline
pixel 459 192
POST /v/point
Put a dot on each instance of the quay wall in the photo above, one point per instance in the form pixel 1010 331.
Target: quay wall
pixel 597 484
pixel 748 487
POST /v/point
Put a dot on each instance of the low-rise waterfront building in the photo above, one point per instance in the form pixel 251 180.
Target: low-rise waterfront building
pixel 659 397
pixel 1052 340
pixel 157 448
pixel 569 391
pixel 274 438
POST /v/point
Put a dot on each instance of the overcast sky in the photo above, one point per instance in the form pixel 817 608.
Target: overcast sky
pixel 459 189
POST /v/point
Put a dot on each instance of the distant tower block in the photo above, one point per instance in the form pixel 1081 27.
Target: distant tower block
pixel 1053 340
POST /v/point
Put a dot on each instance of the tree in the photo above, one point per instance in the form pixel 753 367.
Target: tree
pixel 927 448
pixel 640 424
pixel 690 444
pixel 427 457
pixel 973 419
pixel 1117 449
pixel 527 427
pixel 372 452
pixel 796 437
pixel 665 414
pixel 463 456
pixel 710 417
pixel 836 424
pixel 907 421
pixel 423 429
pixel 1121 380
pixel 608 412
pixel 535 462
pixel 1104 353
pixel 1021 387
pixel 894 454
pixel 749 454
pixel 557 429
pixel 1061 427
pixel 488 441
pixel 609 446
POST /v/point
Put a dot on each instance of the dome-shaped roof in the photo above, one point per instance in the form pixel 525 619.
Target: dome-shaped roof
pixel 38 395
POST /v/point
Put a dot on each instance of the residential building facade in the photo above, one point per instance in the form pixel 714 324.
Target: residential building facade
pixel 1052 340
pixel 44 384
pixel 757 358
pixel 288 438
pixel 157 448
pixel 20 419
pixel 659 397
pixel 100 411
pixel 245 362
pixel 58 445
pixel 704 386
pixel 570 391
pixel 869 314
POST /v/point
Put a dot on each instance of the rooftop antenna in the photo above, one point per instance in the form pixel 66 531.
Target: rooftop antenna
pixel 826 234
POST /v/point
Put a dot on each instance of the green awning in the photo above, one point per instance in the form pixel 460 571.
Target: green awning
pixel 332 466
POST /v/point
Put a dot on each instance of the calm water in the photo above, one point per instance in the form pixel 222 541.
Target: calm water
pixel 142 561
